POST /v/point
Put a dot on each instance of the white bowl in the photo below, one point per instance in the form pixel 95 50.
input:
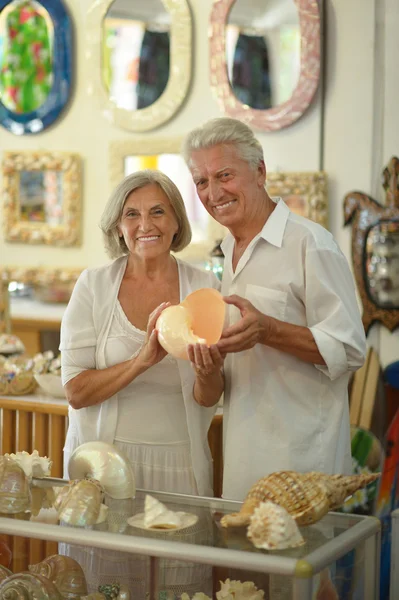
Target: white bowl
pixel 51 384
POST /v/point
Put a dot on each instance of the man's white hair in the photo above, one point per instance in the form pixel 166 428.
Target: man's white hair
pixel 224 131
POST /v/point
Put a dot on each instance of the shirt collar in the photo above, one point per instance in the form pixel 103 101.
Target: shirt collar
pixel 273 229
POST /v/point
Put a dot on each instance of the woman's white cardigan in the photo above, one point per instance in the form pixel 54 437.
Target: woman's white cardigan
pixel 87 321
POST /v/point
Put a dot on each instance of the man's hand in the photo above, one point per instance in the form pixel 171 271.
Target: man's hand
pixel 251 329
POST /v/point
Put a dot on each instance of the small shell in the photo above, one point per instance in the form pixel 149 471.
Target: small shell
pixel 105 463
pixel 157 516
pixel 26 586
pixel 272 528
pixel 66 574
pixel 14 487
pixel 79 502
pixel 32 464
pixel 306 496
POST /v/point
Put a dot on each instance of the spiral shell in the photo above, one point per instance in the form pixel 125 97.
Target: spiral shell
pixel 79 502
pixel 66 574
pixel 307 497
pixel 272 528
pixel 14 487
pixel 26 586
pixel 105 463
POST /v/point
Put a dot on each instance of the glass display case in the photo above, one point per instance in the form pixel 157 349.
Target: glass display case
pixel 341 552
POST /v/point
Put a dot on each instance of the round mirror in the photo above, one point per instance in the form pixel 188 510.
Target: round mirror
pixel 382 264
pixel 135 52
pixel 26 56
pixel 263 51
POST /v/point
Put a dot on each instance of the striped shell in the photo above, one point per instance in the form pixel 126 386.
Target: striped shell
pixel 66 574
pixel 272 528
pixel 307 497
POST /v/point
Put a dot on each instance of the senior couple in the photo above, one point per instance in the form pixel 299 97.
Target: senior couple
pixel 293 331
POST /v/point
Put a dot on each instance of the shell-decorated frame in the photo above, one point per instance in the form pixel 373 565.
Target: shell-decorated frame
pixel 31 231
pixel 169 102
pixel 288 112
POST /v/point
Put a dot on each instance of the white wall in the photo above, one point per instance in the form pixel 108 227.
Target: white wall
pixel 353 156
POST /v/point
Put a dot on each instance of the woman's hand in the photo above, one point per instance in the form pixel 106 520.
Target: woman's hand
pixel 152 352
pixel 205 361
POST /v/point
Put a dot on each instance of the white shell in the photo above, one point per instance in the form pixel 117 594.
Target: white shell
pixel 175 331
pixel 105 463
pixel 157 516
pixel 272 528
pixel 32 464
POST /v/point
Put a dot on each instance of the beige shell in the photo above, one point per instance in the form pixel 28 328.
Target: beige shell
pixel 15 494
pixel 272 528
pixel 4 573
pixel 66 574
pixel 79 502
pixel 27 586
pixel 307 497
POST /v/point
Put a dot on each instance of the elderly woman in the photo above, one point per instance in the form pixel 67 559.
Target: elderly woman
pixel 121 385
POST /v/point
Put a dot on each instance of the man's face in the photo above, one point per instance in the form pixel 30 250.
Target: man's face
pixel 226 185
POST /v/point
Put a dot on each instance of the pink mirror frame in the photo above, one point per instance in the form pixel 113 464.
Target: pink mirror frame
pixel 290 111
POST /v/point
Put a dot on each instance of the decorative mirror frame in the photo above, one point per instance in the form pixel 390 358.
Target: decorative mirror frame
pixel 163 109
pixel 311 187
pixel 16 230
pixel 288 112
pixel 364 213
pixel 39 119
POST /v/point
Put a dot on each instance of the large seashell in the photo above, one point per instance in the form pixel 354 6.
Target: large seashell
pixel 199 319
pixel 105 463
pixel 27 586
pixel 14 487
pixel 4 573
pixel 272 528
pixel 66 574
pixel 79 502
pixel 307 497
pixel 32 464
pixel 157 516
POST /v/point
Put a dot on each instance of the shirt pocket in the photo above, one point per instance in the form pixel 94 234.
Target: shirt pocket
pixel 270 302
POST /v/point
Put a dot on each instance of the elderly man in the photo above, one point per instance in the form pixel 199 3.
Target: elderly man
pixel 294 331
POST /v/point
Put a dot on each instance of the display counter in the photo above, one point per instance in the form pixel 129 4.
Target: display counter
pixel 297 572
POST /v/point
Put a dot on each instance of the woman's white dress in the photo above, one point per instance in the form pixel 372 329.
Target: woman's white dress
pixel 152 432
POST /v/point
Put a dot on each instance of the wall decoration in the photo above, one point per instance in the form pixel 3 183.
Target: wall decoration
pixel 42 197
pixel 35 63
pixel 265 62
pixel 375 249
pixel 139 60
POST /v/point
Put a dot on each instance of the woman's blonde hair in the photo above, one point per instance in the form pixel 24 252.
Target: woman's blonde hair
pixel 115 246
pixel 224 130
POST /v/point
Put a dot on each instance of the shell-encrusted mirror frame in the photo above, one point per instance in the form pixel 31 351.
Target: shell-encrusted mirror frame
pixel 119 150
pixel 16 230
pixel 169 102
pixel 312 187
pixel 288 112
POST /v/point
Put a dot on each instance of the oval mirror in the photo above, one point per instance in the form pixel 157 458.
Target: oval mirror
pixel 382 264
pixel 140 65
pixel 35 64
pixel 265 60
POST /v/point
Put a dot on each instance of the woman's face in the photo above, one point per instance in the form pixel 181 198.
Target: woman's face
pixel 148 222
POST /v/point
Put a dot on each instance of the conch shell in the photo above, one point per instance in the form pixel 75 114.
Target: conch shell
pixel 25 586
pixel 15 494
pixel 79 502
pixel 272 528
pixel 32 464
pixel 66 574
pixel 105 463
pixel 307 497
pixel 157 516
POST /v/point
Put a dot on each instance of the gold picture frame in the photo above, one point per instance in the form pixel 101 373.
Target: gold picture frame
pixel 42 197
pixel 173 96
